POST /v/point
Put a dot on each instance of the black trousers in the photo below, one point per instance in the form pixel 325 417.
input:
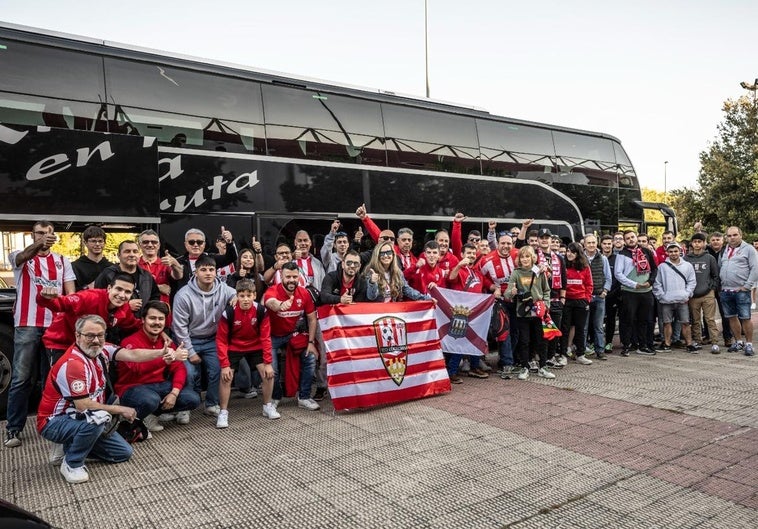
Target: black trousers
pixel 530 341
pixel 637 319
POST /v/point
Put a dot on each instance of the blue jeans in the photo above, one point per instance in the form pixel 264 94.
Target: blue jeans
pixel 81 439
pixel 596 319
pixel 146 398
pixel 505 350
pixel 452 361
pixel 307 368
pixel 206 349
pixel 29 361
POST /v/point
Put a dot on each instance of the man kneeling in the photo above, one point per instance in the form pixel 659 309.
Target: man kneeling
pixel 244 331
pixel 157 386
pixel 73 411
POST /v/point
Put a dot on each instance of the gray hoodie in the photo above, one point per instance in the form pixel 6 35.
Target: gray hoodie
pixel 196 313
pixel 706 273
pixel 669 287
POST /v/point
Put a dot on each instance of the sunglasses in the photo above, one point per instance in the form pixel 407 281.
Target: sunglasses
pixel 195 242
pixel 386 253
pixel 387 238
pixel 340 234
pixel 146 243
pixel 474 239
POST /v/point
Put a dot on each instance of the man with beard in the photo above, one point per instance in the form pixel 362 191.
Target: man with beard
pixel 293 321
pixel 34 267
pixel 636 270
pixel 111 304
pixel 496 271
pixel 197 309
pixel 73 411
pixel 157 386
pixel 145 288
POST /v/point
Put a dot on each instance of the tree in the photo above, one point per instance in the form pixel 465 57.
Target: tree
pixel 727 189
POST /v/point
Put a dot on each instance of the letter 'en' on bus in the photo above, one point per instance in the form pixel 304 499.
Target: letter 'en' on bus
pixel 59 162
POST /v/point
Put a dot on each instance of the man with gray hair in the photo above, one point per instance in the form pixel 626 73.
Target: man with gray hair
pixel 73 411
pixel 195 244
pixel 738 273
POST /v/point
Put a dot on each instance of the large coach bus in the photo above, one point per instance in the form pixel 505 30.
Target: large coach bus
pixel 92 131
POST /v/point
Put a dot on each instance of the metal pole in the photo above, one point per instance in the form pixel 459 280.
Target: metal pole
pixel 426 46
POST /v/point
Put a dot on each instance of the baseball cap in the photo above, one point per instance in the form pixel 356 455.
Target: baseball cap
pixel 544 232
pixel 673 245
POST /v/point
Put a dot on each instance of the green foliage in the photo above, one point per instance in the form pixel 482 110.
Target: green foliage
pixel 70 245
pixel 727 190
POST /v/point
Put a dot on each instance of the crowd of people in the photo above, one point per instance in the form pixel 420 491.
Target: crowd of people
pixel 152 337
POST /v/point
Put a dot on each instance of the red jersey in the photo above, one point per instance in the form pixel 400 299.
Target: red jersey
pixel 421 278
pixel 469 280
pixel 284 323
pixel 496 269
pixel 132 374
pixel 160 272
pixel 446 263
pixel 75 375
pixel 247 335
pixel 52 270
pixel 579 283
pixel 60 334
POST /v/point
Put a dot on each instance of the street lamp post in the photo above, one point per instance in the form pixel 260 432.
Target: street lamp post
pixel 426 46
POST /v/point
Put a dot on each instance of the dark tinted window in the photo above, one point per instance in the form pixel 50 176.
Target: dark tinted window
pixel 175 90
pixel 16 109
pixel 51 72
pixel 627 175
pixel 580 148
pixel 308 124
pixel 426 139
pixel 514 150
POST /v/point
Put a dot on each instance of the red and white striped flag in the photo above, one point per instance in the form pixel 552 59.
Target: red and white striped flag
pixel 463 319
pixel 381 353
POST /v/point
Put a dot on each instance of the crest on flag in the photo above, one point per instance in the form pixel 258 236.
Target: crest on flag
pixel 459 321
pixel 392 342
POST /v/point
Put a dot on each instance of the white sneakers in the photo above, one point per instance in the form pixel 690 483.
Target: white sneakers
pixel 308 404
pixel 583 360
pixel 183 417
pixel 544 373
pixel 251 394
pixel 269 411
pixel 152 424
pixel 74 475
pixel 523 374
pixel 223 419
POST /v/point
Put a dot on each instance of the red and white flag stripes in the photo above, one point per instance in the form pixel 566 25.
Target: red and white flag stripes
pixel 381 353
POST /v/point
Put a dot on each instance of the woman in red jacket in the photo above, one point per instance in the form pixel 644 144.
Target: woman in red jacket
pixel 578 298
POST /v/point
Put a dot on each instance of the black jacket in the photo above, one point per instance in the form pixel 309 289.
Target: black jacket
pixel 332 286
pixel 145 287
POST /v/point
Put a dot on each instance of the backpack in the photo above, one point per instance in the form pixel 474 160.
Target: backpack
pixel 260 311
pixel 500 324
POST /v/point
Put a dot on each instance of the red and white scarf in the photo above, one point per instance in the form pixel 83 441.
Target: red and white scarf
pixel 306 271
pixel 640 261
pixel 555 265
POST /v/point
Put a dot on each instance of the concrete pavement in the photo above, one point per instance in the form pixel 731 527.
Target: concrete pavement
pixel 640 442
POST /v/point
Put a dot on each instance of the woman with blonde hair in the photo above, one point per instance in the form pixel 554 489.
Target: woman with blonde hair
pixel 384 270
pixel 531 291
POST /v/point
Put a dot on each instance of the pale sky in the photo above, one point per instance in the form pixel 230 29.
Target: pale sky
pixel 652 73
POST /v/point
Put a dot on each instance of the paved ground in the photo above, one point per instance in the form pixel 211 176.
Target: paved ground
pixel 641 442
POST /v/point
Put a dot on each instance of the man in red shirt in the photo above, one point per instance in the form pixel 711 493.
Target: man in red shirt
pixel 163 269
pixel 447 260
pixel 73 411
pixel 293 318
pixel 246 335
pixel 157 386
pixel 467 278
pixel 427 274
pixel 111 304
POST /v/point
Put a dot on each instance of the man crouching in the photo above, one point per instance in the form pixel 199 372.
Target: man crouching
pixel 73 410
